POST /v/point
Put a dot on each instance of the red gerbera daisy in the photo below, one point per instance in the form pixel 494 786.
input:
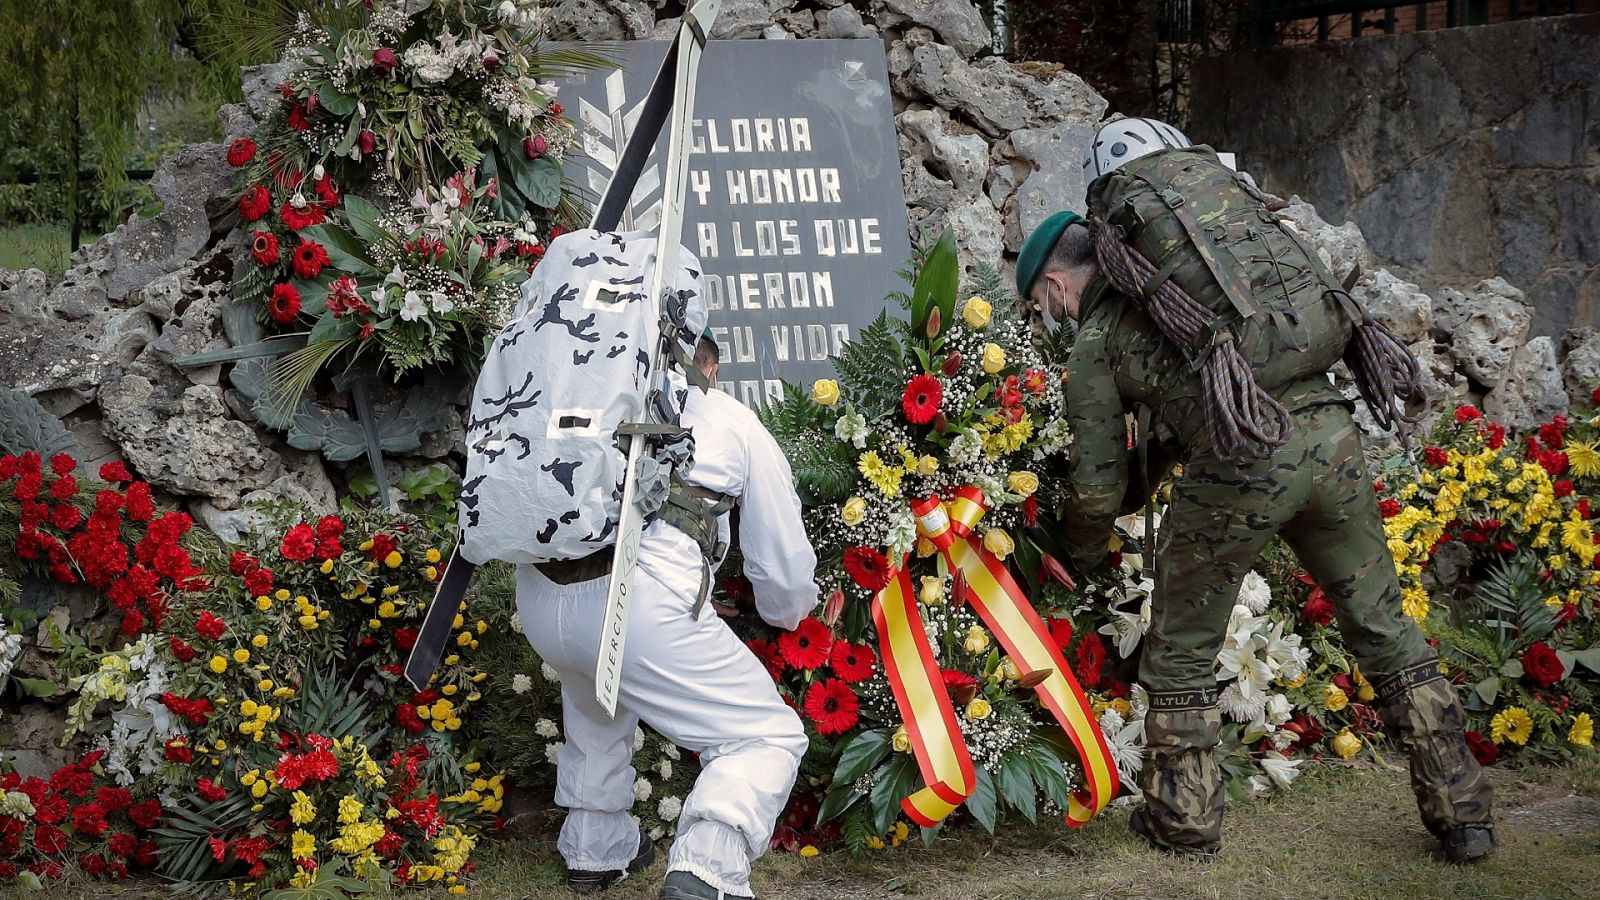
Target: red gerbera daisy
pixel 770 656
pixel 264 248
pixel 959 684
pixel 284 306
pixel 1091 656
pixel 241 151
pixel 852 662
pixel 833 706
pixel 254 203
pixel 807 646
pixel 1061 632
pixel 922 399
pixel 308 260
pixel 296 219
pixel 867 568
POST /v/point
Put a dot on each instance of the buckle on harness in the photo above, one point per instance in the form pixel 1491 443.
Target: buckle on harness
pixel 1172 198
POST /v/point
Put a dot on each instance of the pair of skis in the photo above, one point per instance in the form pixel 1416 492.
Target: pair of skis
pixel 671 100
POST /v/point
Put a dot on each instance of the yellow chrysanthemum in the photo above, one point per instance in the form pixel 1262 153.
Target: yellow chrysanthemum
pixel 302 845
pixel 301 812
pixel 1582 732
pixel 1583 459
pixel 1414 600
pixel 1578 538
pixel 1511 724
pixel 884 477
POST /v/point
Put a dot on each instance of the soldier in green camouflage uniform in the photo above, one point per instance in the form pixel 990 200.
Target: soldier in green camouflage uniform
pixel 1315 493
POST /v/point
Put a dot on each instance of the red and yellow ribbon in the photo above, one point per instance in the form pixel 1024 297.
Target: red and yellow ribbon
pixel 919 688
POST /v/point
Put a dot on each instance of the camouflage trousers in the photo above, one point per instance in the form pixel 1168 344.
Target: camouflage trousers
pixel 1317 495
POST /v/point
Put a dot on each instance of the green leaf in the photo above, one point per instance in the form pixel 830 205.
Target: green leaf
pixel 539 180
pixel 838 801
pixel 937 284
pixel 339 104
pixel 36 687
pixel 982 804
pixel 1488 689
pixel 274 346
pixel 896 780
pixel 861 756
pixel 1512 669
pixel 345 250
pixel 1016 786
pixel 363 219
pixel 1048 774
pixel 1589 658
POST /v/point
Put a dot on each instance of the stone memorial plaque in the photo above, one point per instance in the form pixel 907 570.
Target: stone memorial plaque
pixel 795 207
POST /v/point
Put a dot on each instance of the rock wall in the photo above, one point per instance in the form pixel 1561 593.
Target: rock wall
pixel 1466 154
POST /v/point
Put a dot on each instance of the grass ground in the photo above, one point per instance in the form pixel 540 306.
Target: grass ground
pixel 44 247
pixel 1343 833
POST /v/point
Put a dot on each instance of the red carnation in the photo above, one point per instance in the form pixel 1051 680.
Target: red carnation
pixel 210 626
pixel 74 780
pixel 1496 436
pixel 852 662
pixel 49 840
pixel 65 516
pixel 115 472
pixel 1389 508
pixel 1562 488
pixel 264 248
pixel 1436 457
pixel 210 791
pixel 921 399
pixel 1542 665
pixel 833 706
pixel 867 568
pixel 308 259
pixel 132 622
pixel 1466 413
pixel 241 563
pixel 62 464
pixel 259 582
pixel 330 527
pixel 405 638
pixel 1554 462
pixel 957 682
pixel 145 814
pixel 177 750
pixel 770 655
pixel 240 152
pixel 408 719
pixel 89 819
pixel 284 306
pixel 254 203
pixel 114 799
pixel 1318 610
pixel 1483 749
pixel 299 543
pixel 64 488
pixel 141 507
pixel 807 646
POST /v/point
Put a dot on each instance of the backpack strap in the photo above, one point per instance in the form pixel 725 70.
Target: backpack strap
pixel 694 510
pixel 1239 294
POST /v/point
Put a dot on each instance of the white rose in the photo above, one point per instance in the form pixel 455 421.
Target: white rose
pixel 669 808
pixel 522 684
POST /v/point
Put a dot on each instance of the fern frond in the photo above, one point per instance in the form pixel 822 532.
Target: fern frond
pixel 872 368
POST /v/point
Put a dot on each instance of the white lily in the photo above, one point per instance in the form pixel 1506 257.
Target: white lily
pixel 440 301
pixel 1128 628
pixel 414 307
pixel 396 276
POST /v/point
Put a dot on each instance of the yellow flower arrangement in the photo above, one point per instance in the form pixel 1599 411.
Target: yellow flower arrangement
pixel 1511 724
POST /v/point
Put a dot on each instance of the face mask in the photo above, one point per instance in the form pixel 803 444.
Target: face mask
pixel 1051 326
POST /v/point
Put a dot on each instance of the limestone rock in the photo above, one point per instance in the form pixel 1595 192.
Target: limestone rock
pixel 1581 369
pixel 306 485
pixel 1484 327
pixel 1444 386
pixel 260 85
pixel 1398 304
pixel 1531 391
pixel 179 436
pixel 958 22
pixel 924 190
pixel 844 22
pixel 747 18
pixel 144 249
pixel 22 292
pixel 1057 182
pixel 601 20
pixel 1341 247
pixel 961 159
pixel 994 95
pixel 31 738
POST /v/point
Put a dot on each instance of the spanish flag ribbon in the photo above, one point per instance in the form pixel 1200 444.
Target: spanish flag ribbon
pixel 919 688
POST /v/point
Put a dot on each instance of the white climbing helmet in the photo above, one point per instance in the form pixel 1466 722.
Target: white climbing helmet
pixel 1128 139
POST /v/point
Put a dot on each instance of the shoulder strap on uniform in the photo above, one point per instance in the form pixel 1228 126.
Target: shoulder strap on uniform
pixel 1239 294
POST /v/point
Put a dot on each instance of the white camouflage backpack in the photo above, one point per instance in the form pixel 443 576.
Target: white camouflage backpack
pixel 545 467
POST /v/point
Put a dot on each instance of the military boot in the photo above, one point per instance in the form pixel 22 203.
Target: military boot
pixel 1182 781
pixel 1453 793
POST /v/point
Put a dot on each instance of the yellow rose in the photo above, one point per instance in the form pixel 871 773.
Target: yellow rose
pixel 994 358
pixel 825 392
pixel 901 741
pixel 976 311
pixel 999 543
pixel 1297 681
pixel 977 639
pixel 927 467
pixel 432 555
pixel 1009 669
pixel 1346 744
pixel 855 509
pixel 394 559
pixel 978 709
pixel 1335 699
pixel 932 591
pixel 1023 483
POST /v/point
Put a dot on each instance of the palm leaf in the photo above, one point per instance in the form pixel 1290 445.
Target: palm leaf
pixel 290 375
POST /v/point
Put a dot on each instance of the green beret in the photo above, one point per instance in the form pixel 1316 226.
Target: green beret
pixel 1036 249
pixel 707 335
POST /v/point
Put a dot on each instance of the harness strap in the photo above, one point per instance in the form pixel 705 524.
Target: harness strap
pixel 1142 420
pixel 694 510
pixel 1243 299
